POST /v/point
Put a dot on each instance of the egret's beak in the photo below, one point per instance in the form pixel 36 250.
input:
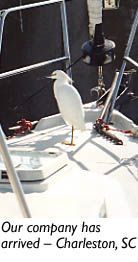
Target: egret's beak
pixel 52 76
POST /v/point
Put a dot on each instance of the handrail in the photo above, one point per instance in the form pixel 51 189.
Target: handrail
pixel 30 67
pixel 131 61
pixel 126 55
pixel 4 13
pixel 13 178
pixel 27 6
pixel 109 97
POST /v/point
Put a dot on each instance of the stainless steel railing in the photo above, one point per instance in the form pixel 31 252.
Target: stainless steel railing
pixel 13 177
pixel 106 115
pixel 66 57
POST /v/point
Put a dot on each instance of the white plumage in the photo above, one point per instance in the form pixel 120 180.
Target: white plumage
pixel 68 100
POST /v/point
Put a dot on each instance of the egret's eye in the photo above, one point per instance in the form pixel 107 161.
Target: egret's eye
pixel 53 74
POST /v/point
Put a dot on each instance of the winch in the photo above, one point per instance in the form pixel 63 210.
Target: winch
pixel 98 51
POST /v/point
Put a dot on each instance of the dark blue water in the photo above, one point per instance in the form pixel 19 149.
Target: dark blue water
pixel 39 38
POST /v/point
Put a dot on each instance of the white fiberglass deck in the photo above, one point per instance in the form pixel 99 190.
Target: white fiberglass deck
pixel 93 178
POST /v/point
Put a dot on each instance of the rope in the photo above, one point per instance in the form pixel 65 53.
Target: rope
pixel 107 127
pixel 24 126
pixel 40 90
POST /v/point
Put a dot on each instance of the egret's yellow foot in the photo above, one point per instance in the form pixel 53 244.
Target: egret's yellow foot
pixel 68 144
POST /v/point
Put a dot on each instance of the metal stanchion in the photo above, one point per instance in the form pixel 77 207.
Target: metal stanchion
pixel 13 178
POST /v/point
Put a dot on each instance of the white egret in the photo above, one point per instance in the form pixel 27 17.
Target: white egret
pixel 69 101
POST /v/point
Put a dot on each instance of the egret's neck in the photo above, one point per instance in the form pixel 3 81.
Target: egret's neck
pixel 59 82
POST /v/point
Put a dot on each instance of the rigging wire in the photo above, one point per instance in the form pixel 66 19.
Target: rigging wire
pixel 15 18
pixel 40 90
pixel 21 17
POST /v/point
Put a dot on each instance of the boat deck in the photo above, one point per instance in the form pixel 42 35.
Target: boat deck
pixel 94 178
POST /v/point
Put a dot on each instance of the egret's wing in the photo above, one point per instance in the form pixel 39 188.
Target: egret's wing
pixel 70 105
